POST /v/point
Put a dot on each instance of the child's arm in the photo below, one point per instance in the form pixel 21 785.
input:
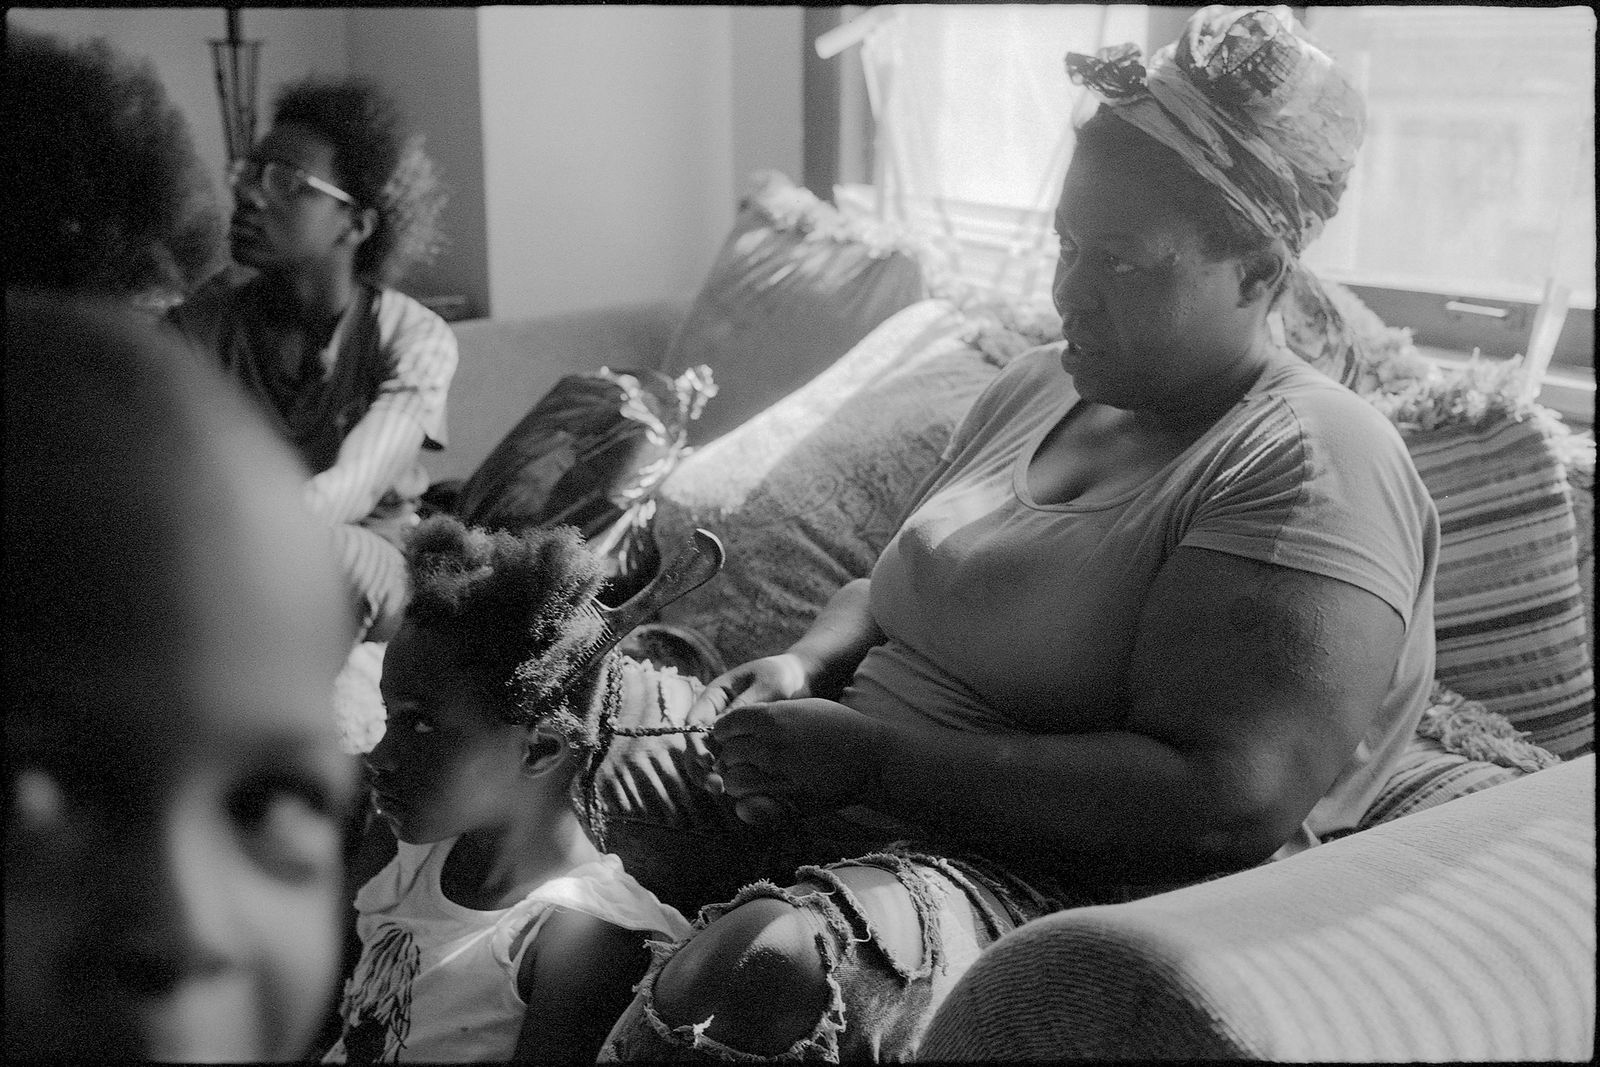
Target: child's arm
pixel 576 978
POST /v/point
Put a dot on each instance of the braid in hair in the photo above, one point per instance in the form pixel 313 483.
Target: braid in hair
pixel 523 607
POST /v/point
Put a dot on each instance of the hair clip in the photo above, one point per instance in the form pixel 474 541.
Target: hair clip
pixel 1113 72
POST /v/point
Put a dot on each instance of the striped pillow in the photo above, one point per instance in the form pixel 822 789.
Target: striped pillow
pixel 1508 607
pixel 1427 776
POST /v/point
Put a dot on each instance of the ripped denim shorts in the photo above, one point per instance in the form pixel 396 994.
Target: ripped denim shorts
pixel 880 1003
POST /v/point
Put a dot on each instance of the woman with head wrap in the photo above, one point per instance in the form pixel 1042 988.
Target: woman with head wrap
pixel 1163 612
pixel 331 208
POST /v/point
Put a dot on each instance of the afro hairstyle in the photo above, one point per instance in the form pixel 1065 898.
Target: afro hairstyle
pixel 107 195
pixel 380 162
pixel 519 606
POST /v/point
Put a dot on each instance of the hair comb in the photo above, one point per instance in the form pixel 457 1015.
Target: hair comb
pixel 604 628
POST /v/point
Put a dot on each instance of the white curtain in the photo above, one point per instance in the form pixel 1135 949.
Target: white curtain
pixel 973 115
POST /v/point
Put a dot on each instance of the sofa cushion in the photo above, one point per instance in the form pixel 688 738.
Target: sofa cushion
pixel 806 495
pixel 795 286
pixel 1426 776
pixel 1508 606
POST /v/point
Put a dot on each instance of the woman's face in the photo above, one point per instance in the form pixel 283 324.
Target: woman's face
pixel 284 235
pixel 448 761
pixel 1151 320
pixel 174 886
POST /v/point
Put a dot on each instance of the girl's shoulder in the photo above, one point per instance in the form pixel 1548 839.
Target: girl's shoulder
pixel 603 889
pixel 595 899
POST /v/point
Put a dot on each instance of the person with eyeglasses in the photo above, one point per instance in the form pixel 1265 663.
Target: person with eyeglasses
pixel 331 208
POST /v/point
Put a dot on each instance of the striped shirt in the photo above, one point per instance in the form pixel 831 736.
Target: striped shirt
pixel 360 410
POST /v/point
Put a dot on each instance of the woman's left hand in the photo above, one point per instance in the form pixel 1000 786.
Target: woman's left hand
pixel 795 757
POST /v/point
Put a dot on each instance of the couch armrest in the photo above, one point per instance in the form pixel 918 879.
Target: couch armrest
pixel 1466 932
pixel 507 365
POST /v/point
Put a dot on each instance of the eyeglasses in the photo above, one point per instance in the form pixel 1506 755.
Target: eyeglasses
pixel 281 181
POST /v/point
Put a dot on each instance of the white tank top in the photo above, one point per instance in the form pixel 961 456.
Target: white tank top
pixel 437 982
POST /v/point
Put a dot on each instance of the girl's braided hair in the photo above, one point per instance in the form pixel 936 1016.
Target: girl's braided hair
pixel 379 161
pixel 521 607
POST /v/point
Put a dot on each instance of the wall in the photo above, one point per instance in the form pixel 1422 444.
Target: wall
pixel 427 57
pixel 595 153
pixel 766 65
pixel 607 152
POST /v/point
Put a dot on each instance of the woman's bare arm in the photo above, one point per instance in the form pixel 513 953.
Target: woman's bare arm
pixel 1250 687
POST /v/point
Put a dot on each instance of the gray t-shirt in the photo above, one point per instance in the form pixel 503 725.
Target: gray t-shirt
pixel 1003 614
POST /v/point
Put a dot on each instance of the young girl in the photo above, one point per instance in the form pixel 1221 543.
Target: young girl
pixel 498 930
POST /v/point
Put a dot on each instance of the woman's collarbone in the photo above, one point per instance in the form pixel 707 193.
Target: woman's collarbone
pixel 1101 455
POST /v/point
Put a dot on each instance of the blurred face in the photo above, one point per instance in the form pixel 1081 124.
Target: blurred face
pixel 448 762
pixel 275 233
pixel 173 870
pixel 1149 317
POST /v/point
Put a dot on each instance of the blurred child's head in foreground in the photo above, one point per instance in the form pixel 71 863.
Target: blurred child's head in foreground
pixel 173 777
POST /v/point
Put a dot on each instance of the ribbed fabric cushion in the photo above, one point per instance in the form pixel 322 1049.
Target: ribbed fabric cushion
pixel 1580 485
pixel 1508 608
pixel 1466 932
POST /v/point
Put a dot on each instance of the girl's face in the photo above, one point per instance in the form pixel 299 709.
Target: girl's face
pixel 1151 320
pixel 174 883
pixel 273 234
pixel 448 762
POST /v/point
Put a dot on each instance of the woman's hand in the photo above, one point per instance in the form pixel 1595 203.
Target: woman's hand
pixel 795 757
pixel 761 681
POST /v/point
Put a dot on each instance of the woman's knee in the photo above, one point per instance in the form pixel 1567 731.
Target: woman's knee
pixel 754 977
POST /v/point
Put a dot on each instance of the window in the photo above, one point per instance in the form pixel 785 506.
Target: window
pixel 1475 185
pixel 973 127
pixel 1476 182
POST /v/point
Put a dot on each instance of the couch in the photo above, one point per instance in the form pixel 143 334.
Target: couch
pixel 1457 923
pixel 1464 932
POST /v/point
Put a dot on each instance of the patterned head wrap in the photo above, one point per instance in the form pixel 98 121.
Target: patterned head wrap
pixel 1252 106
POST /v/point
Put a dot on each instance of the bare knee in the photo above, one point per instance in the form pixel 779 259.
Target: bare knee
pixel 757 975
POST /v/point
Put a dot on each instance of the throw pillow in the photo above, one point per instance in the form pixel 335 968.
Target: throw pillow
pixel 806 495
pixel 1427 776
pixel 795 286
pixel 1467 728
pixel 1508 605
pixel 1460 747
